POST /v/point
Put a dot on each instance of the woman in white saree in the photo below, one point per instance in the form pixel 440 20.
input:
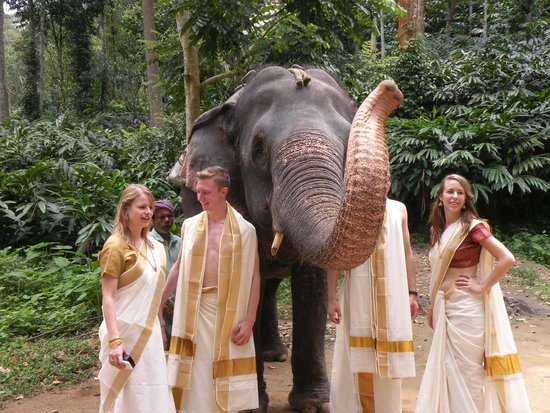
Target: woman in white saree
pixel 133 375
pixel 473 364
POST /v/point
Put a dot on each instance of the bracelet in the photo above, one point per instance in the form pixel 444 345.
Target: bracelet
pixel 115 342
pixel 415 293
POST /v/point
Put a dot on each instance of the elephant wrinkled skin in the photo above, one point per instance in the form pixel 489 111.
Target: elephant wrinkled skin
pixel 306 164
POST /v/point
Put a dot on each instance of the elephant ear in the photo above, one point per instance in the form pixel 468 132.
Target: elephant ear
pixel 210 144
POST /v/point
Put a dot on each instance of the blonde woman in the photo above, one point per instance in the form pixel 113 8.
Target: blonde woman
pixel 133 372
pixel 473 365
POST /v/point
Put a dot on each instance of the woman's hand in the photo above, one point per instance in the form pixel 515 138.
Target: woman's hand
pixel 469 284
pixel 431 318
pixel 115 356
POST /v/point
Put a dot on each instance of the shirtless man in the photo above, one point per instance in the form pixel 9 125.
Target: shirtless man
pixel 211 367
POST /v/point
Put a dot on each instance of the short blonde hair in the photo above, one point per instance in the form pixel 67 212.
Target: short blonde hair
pixel 218 174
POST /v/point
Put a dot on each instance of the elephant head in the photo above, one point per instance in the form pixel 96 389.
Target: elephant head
pixel 304 162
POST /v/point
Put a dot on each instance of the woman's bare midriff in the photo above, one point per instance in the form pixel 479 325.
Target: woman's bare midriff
pixel 453 274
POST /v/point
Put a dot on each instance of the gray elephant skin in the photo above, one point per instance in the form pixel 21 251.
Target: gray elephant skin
pixel 308 168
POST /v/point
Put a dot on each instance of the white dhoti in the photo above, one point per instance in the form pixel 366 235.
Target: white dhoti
pixel 352 392
pixel 374 347
pixel 200 394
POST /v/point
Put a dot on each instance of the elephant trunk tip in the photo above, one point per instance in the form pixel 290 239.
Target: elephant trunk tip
pixel 392 89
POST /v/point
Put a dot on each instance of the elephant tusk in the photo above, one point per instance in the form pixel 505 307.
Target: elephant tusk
pixel 277 242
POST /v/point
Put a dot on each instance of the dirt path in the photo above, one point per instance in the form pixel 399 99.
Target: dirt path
pixel 530 323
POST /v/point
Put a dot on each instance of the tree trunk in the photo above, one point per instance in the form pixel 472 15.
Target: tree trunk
pixel 191 74
pixel 529 11
pixel 153 70
pixel 406 25
pixel 4 101
pixel 485 19
pixel 41 59
pixel 104 36
pixel 373 37
pixel 420 23
pixel 470 17
pixel 382 38
pixel 450 17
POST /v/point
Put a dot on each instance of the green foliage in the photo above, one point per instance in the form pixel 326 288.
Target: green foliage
pixel 492 125
pixel 61 182
pixel 531 244
pixel 47 287
pixel 528 277
pixel 30 366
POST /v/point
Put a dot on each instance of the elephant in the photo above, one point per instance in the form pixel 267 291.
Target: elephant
pixel 310 171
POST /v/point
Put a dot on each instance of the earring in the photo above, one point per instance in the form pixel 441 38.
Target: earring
pixel 440 203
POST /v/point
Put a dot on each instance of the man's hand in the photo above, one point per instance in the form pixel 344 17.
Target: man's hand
pixel 242 332
pixel 334 312
pixel 413 305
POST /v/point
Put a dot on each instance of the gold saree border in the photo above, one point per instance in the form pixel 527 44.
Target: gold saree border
pixel 502 365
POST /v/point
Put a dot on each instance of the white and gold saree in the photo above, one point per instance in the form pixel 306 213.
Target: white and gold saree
pixel 473 364
pixel 374 347
pixel 143 388
pixel 207 372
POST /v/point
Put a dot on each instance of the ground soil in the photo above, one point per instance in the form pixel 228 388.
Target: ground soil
pixel 530 320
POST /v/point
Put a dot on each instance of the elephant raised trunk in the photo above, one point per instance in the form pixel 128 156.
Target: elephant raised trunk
pixel 366 181
pixel 342 214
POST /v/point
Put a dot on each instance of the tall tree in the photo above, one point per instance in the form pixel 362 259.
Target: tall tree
pixel 450 17
pixel 153 70
pixel 406 24
pixel 191 72
pixel 420 22
pixel 4 101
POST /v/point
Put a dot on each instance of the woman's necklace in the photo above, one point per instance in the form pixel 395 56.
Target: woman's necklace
pixel 154 263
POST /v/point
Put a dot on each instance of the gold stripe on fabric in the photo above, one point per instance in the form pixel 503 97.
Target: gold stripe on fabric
pixel 133 273
pixel 383 346
pixel 367 342
pixel 446 256
pixel 177 393
pixel 229 280
pixel 162 261
pixel 234 367
pixel 502 365
pixel 182 347
pixel 196 269
pixel 365 383
pixel 143 338
pixel 380 324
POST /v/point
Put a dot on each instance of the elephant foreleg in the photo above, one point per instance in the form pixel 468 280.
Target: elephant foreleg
pixel 310 390
pixel 273 347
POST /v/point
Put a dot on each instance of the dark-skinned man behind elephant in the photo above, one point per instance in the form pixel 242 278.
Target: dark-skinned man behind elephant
pixel 311 172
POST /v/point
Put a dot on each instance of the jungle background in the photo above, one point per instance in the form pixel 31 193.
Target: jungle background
pixel 96 94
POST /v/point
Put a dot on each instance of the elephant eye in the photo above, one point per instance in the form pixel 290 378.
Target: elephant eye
pixel 260 153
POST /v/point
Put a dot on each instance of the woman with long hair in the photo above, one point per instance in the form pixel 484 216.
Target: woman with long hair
pixel 133 372
pixel 473 365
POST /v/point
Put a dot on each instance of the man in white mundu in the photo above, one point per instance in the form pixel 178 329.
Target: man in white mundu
pixel 374 347
pixel 211 361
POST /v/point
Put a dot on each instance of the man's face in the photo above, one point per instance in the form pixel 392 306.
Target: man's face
pixel 210 196
pixel 162 222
